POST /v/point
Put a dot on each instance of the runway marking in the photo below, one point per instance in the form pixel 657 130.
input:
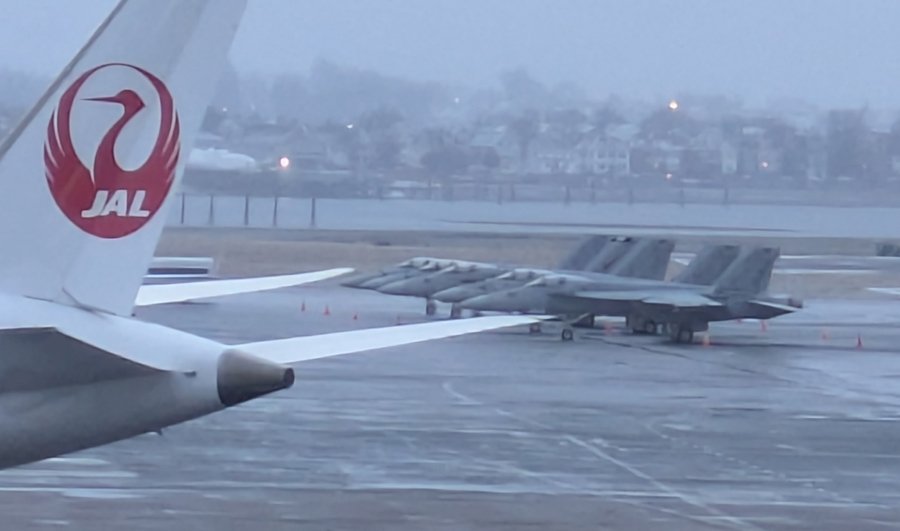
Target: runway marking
pixel 465 400
pixel 733 521
pixel 806 482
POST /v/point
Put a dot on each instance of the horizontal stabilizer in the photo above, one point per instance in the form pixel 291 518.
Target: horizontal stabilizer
pixel 774 306
pixel 150 295
pixel 298 349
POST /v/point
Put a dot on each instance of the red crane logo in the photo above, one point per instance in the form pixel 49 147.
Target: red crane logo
pixel 108 201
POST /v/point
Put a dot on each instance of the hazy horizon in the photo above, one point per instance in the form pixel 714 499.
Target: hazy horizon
pixel 826 52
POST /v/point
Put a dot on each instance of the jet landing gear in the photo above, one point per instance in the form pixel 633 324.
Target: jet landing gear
pixel 534 328
pixel 430 308
pixel 455 311
pixel 680 334
pixel 641 326
pixel 684 332
pixel 568 332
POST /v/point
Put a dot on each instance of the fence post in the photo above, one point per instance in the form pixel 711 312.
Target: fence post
pixel 275 212
pixel 312 213
pixel 211 221
pixel 246 210
pixel 182 208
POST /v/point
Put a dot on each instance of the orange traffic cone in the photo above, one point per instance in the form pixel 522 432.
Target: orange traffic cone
pixel 706 340
pixel 327 311
pixel 859 343
pixel 303 306
pixel 763 326
pixel 355 316
pixel 825 336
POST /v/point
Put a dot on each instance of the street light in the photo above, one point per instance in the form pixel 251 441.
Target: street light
pixel 673 105
pixel 284 163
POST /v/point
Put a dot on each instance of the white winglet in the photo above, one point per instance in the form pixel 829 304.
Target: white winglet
pixel 150 295
pixel 297 349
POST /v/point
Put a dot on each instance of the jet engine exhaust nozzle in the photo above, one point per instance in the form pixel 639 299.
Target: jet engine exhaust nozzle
pixel 243 377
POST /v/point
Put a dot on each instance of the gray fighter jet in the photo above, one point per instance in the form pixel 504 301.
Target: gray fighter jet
pixel 608 259
pixel 740 292
pixel 626 256
pixel 535 297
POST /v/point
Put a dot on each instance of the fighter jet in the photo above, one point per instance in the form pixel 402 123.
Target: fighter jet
pixel 536 296
pixel 604 260
pixel 740 292
pixel 630 257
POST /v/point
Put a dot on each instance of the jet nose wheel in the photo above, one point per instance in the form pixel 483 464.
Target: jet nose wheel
pixel 567 334
pixel 650 327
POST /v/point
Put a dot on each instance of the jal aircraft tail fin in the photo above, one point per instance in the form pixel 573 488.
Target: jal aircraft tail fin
pixel 79 224
pixel 579 257
pixel 750 273
pixel 647 259
pixel 708 265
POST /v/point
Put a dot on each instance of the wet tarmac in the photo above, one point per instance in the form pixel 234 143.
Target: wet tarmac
pixel 791 427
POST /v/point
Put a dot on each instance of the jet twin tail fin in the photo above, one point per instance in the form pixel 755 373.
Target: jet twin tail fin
pixel 582 255
pixel 750 273
pixel 708 265
pixel 647 259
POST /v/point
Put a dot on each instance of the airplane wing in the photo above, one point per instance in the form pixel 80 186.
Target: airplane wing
pixel 149 295
pixel 297 349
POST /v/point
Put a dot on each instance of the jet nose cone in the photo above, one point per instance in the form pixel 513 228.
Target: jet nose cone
pixel 242 377
pixel 454 294
pixel 359 281
pixel 484 303
pixel 373 283
pixel 403 287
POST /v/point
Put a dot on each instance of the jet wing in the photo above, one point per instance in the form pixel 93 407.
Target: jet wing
pixel 149 295
pixel 612 296
pixel 656 297
pixel 298 349
pixel 682 300
pixel 674 298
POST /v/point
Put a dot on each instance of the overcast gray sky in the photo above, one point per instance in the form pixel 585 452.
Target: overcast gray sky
pixel 830 52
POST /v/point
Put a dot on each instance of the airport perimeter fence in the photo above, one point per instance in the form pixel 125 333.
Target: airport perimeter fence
pixel 409 213
pixel 225 210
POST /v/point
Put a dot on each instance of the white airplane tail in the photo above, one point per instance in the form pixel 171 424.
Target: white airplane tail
pixel 86 178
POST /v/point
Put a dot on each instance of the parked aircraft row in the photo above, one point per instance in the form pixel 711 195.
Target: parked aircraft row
pixel 608 276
